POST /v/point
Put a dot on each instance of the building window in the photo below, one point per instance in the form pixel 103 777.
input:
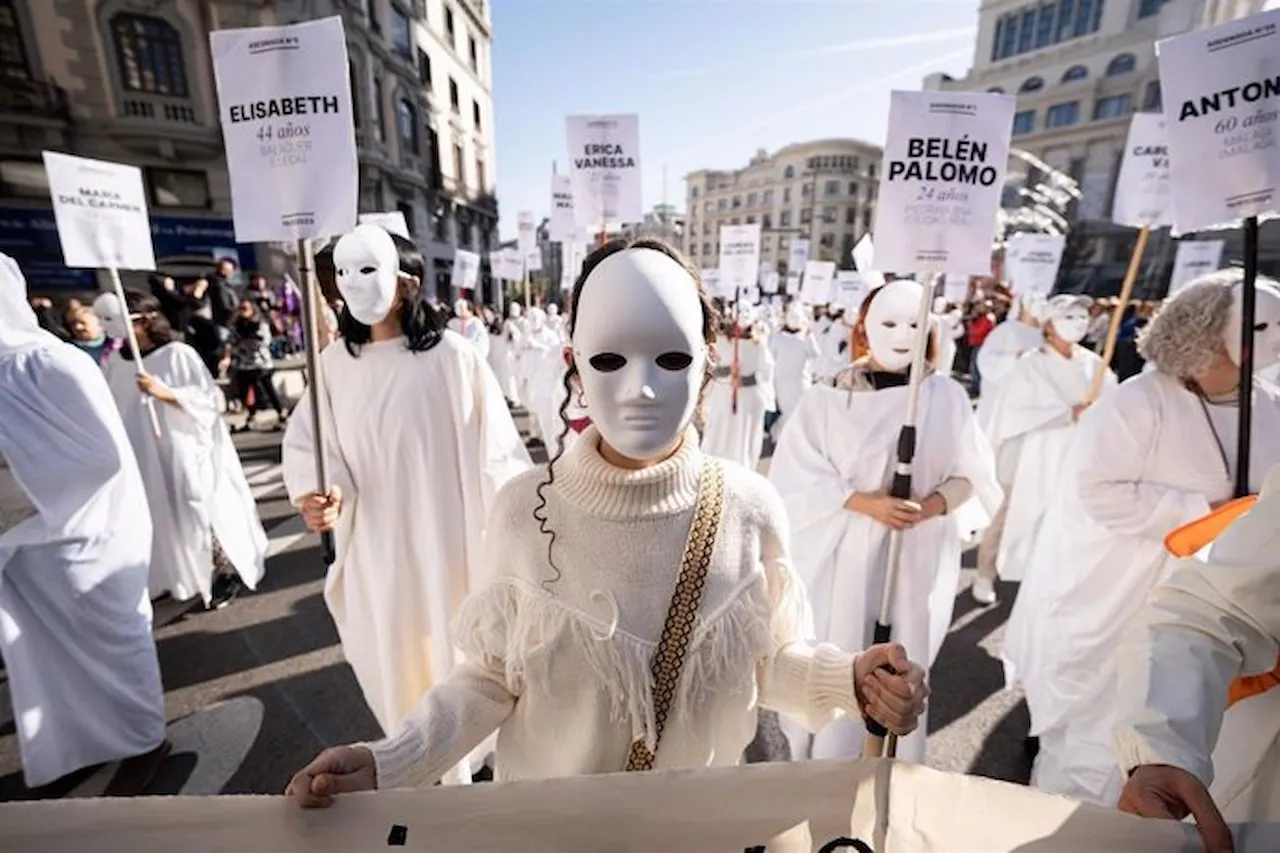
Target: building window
pixel 786 195
pixel 706 227
pixel 784 219
pixel 866 219
pixel 806 216
pixel 1032 84
pixel 457 165
pixel 448 26
pixel 751 220
pixel 722 204
pixel 475 115
pixel 706 248
pixel 1075 72
pixel 1045 19
pixel 407 125
pixel 474 50
pixel 806 191
pixel 1151 99
pixel 439 225
pixel 1008 36
pixel 406 210
pixel 1044 25
pixel 401 37
pixel 1115 106
pixel 1122 64
pixel 178 188
pixel 766 222
pixel 13 50
pixel 424 68
pixel 752 198
pixel 432 157
pixel 789 172
pixel 379 117
pixel 850 216
pixel 149 52
pixel 1062 115
pixel 453 95
pixel 1024 122
pixel 1027 31
pixel 829 215
pixel 853 188
pixel 480 183
pixel 735 221
pixel 832 188
pixel 1147 8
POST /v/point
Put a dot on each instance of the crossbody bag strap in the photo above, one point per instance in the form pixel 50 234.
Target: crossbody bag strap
pixel 677 631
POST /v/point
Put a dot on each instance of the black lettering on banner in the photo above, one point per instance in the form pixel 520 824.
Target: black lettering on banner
pixel 1228 99
pixel 604 155
pixel 1159 154
pixel 951 161
pixel 299 105
pixel 830 847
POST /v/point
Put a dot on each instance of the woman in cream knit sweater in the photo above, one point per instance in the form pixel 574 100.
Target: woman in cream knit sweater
pixel 583 558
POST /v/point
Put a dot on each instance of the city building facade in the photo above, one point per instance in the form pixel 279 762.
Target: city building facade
pixel 1080 69
pixel 131 81
pixel 823 191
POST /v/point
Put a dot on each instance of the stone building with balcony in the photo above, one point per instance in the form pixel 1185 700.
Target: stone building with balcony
pixel 131 81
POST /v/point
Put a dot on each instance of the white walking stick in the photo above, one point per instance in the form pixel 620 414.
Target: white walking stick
pixel 131 340
pixel 310 331
pixel 877 744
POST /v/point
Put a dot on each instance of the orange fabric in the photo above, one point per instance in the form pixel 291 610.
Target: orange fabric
pixel 1187 541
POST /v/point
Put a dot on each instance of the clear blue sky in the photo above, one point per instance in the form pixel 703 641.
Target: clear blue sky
pixel 712 80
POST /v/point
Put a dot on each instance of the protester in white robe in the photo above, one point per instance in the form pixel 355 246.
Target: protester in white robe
pixel 949 321
pixel 500 355
pixel 542 366
pixel 418 440
pixel 465 323
pixel 208 538
pixel 1019 333
pixel 1033 419
pixel 835 341
pixel 1150 456
pixel 833 467
pixel 795 350
pixel 1199 701
pixel 75 539
pixel 582 558
pixel 735 419
pixel 514 331
pixel 555 321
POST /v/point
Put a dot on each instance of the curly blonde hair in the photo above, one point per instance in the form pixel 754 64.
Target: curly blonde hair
pixel 1187 334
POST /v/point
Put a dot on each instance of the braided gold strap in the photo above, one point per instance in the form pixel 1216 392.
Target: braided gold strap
pixel 677 631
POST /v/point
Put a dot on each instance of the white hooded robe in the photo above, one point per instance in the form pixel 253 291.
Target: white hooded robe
pixel 1144 461
pixel 195 485
pixel 739 436
pixel 419 444
pixel 997 356
pixel 794 356
pixel 75 618
pixel 840 442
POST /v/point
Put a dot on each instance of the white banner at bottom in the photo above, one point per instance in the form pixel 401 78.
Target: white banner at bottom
pixel 813 807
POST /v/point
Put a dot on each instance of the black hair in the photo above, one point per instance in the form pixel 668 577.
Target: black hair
pixel 710 324
pixel 159 332
pixel 421 326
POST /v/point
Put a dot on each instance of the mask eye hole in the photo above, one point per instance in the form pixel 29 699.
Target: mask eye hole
pixel 674 361
pixel 368 270
pixel 1261 327
pixel 607 362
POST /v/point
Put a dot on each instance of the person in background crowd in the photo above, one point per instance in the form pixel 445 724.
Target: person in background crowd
pixel 251 364
pixel 175 305
pixel 1127 361
pixel 88 334
pixel 977 327
pixel 263 297
pixel 202 332
pixel 1000 351
pixel 471 327
pixel 1099 323
pixel 223 297
pixel 48 318
pixel 209 539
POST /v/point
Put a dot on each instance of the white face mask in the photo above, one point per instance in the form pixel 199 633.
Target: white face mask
pixel 1266 329
pixel 1072 324
pixel 891 323
pixel 514 311
pixel 367 265
pixel 115 322
pixel 553 311
pixel 639 350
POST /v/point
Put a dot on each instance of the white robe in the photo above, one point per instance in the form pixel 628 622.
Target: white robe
pixel 543 361
pixel 835 342
pixel 499 359
pixel 1215 619
pixel 195 485
pixel 75 619
pixel 950 327
pixel 997 356
pixel 739 436
pixel 841 442
pixel 419 444
pixel 514 331
pixel 1143 462
pixel 794 355
pixel 1030 431
pixel 473 329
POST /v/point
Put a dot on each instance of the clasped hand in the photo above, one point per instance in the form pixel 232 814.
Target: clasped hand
pixel 894 513
pixel 890 688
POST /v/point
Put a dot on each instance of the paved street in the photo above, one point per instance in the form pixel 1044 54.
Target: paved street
pixel 256 689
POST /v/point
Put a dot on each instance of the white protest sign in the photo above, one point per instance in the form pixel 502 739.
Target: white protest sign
pixel 466 269
pixel 864 254
pixel 526 232
pixel 793 282
pixel 604 160
pixel 101 212
pixel 533 260
pixel 1221 92
pixel 799 255
pixel 1144 193
pixel 711 279
pixel 819 277
pixel 1032 264
pixel 572 254
pixel 1194 259
pixel 284 99
pixel 850 289
pixel 769 281
pixel 940 186
pixel 392 220
pixel 739 256
pixel 562 227
pixel 505 264
pixel 955 289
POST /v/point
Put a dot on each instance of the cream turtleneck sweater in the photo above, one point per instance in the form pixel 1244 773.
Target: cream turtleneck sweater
pixel 558 658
